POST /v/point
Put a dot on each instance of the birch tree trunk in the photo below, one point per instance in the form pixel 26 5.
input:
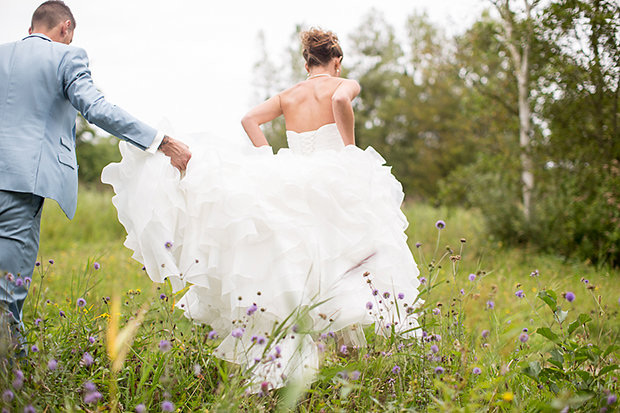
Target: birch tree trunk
pixel 519 49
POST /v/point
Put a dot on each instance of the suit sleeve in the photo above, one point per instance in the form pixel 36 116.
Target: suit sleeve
pixel 79 89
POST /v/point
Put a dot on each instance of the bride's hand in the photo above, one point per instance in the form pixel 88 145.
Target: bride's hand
pixel 178 152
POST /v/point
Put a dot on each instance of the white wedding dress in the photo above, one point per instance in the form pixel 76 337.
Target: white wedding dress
pixel 257 236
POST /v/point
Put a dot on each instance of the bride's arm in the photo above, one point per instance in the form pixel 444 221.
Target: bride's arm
pixel 263 113
pixel 343 109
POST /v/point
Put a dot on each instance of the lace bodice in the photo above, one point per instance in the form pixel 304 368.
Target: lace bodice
pixel 324 138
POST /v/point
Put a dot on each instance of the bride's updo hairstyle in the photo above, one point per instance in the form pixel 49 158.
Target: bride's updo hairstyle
pixel 319 47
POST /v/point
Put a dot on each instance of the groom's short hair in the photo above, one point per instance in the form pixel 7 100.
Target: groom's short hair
pixel 50 13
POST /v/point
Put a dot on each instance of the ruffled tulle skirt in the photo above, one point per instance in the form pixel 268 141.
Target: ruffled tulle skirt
pixel 256 237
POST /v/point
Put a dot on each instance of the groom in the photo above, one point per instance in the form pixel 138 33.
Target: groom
pixel 44 83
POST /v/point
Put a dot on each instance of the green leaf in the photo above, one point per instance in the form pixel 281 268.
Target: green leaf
pixel 607 369
pixel 610 349
pixel 582 319
pixel 550 298
pixel 584 375
pixel 557 358
pixel 560 315
pixel 533 370
pixel 549 334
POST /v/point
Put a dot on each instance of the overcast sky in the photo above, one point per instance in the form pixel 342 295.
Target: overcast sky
pixel 186 65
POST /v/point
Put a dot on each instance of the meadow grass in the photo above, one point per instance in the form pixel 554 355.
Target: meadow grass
pixel 508 338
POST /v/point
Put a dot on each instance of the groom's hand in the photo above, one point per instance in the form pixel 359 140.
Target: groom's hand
pixel 177 151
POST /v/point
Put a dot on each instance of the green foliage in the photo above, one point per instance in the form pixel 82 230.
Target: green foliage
pixel 93 152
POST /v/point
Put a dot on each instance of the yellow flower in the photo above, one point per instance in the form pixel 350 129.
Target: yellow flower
pixel 508 396
pixel 534 289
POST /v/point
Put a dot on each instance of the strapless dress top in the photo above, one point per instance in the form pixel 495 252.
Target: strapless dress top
pixel 324 138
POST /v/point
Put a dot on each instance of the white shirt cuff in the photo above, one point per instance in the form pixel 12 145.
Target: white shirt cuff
pixel 156 142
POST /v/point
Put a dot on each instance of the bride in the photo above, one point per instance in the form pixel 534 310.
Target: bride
pixel 274 251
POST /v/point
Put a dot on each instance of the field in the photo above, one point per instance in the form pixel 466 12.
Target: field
pixel 506 329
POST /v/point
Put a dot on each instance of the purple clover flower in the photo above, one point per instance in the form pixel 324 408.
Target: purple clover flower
pixel 164 345
pixel 440 224
pixel 237 332
pixel 81 302
pixel 569 296
pixel 167 406
pixel 87 359
pixel 472 277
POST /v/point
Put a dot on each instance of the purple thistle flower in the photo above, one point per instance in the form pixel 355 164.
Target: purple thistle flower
pixel 89 386
pixel 472 277
pixel 30 409
pixel 462 291
pixel 96 265
pixel 87 360
pixel 485 333
pixel 611 399
pixel 386 295
pixel 375 292
pixel 440 224
pixel 37 264
pixel 476 370
pixel 343 349
pixel 38 321
pixel 439 370
pixel 18 384
pixel 261 340
pixel 8 396
pixel 52 364
pixel 34 348
pixel 92 339
pixel 585 281
pixel 434 349
pixel 92 397
pixel 27 281
pixel 264 387
pixel 19 375
pixel 490 304
pixel 418 244
pixel 401 296
pixel 19 282
pixel 396 369
pixel 164 345
pixel 62 314
pixel 141 408
pixel 252 309
pixel 212 335
pixel 569 296
pixel 524 337
pixel 422 280
pixel 51 262
pixel 81 302
pixel 520 293
pixel 436 311
pixel 534 273
pixel 237 332
pixel 369 305
pixel 167 406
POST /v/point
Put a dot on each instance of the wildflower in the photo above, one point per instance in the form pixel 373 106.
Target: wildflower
pixel 476 370
pixel 386 295
pixel 261 340
pixel 462 291
pixel 164 345
pixel 524 337
pixel 569 296
pixel 343 349
pixel 401 296
pixel 508 396
pixel 62 314
pixel 355 375
pixel 212 335
pixel 92 397
pixel 87 360
pixel 19 282
pixel 37 264
pixel 141 408
pixel 168 245
pixel 51 262
pixel 52 364
pixel 81 302
pixel 30 409
pixel 19 375
pixel 369 305
pixel 434 348
pixel 295 328
pixel 264 387
pixel 396 369
pixel 37 321
pixel 439 370
pixel 8 396
pixel 167 406
pixel 252 309
pixel 490 304
pixel 418 244
pixel 520 294
pixel 237 332
pixel 436 337
pixel 27 281
pixel 440 224
pixel 611 399
pixel 162 296
pixel 321 347
pixel 534 273
pixel 485 333
pixel 34 348
pixel 375 292
pixel 585 280
pixel 90 386
pixel 96 265
pixel 92 339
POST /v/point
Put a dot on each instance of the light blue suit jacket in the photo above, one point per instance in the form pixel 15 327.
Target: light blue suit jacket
pixel 43 84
